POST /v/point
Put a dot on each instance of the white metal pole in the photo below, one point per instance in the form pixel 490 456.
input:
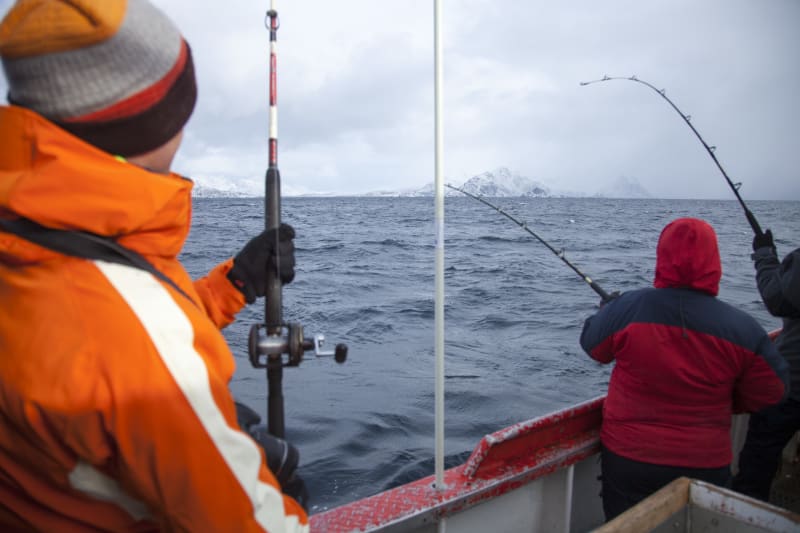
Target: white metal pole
pixel 439 277
pixel 569 499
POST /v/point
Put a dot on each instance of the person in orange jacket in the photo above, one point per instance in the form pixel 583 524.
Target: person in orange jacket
pixel 115 413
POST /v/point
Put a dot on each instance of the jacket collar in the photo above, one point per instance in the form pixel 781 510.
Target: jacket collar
pixel 56 179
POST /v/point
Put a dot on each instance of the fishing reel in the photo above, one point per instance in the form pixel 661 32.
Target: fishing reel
pixel 290 342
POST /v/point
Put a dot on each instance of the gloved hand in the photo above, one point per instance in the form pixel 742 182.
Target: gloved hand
pixel 296 488
pixel 282 460
pixel 282 457
pixel 249 272
pixel 763 240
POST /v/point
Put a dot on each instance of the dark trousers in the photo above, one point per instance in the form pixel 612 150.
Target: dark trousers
pixel 767 434
pixel 626 482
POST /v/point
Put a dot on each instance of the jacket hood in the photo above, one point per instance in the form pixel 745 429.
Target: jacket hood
pixel 687 256
pixel 54 178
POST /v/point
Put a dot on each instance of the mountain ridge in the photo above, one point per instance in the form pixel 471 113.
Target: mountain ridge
pixel 498 183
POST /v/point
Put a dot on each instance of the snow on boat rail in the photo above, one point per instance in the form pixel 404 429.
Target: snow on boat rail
pixel 551 458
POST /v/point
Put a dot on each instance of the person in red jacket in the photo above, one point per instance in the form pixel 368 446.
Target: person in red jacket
pixel 685 363
pixel 115 412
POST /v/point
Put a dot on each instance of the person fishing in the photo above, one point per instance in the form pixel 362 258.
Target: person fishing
pixel 770 429
pixel 115 412
pixel 685 362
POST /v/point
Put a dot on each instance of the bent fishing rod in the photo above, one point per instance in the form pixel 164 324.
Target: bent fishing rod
pixel 710 149
pixel 281 338
pixel 604 296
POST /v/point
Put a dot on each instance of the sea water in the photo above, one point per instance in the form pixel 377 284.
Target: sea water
pixel 513 315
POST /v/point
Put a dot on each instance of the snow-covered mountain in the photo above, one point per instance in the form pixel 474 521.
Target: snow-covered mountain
pixel 221 187
pixel 501 182
pixel 204 191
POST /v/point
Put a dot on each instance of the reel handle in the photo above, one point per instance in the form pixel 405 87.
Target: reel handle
pixel 339 353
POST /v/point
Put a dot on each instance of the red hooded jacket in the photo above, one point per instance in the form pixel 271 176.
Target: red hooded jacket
pixel 685 361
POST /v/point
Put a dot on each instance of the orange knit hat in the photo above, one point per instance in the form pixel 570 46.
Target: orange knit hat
pixel 116 73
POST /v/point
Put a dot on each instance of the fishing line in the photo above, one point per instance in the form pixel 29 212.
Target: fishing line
pixel 710 149
pixel 604 296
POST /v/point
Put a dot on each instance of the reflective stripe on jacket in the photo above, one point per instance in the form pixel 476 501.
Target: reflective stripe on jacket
pixel 115 412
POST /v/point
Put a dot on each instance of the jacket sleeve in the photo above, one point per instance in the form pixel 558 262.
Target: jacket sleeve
pixel 220 298
pixel 194 467
pixel 598 331
pixel 779 282
pixel 171 420
pixel 764 381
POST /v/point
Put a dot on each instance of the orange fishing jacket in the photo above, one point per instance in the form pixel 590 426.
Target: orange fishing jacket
pixel 115 412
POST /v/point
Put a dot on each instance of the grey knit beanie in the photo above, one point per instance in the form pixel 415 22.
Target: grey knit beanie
pixel 116 73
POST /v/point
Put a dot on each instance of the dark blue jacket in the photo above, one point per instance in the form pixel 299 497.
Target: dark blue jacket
pixel 779 285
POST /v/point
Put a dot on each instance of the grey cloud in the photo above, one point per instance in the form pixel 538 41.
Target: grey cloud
pixel 356 92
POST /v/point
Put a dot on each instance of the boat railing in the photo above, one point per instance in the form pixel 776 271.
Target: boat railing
pixel 552 459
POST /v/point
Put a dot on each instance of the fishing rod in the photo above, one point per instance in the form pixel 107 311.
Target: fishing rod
pixel 281 338
pixel 710 149
pixel 604 296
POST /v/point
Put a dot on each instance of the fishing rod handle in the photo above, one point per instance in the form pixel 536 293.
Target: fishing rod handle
pixel 273 304
pixel 275 416
pixel 604 296
pixel 753 222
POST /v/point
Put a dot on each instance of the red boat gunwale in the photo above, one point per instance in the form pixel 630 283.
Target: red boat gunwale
pixel 501 462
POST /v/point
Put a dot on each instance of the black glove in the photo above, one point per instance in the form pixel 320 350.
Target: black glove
pixel 763 240
pixel 282 460
pixel 249 272
pixel 282 457
pixel 296 488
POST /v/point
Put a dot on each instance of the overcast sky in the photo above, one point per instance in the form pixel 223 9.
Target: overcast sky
pixel 355 93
